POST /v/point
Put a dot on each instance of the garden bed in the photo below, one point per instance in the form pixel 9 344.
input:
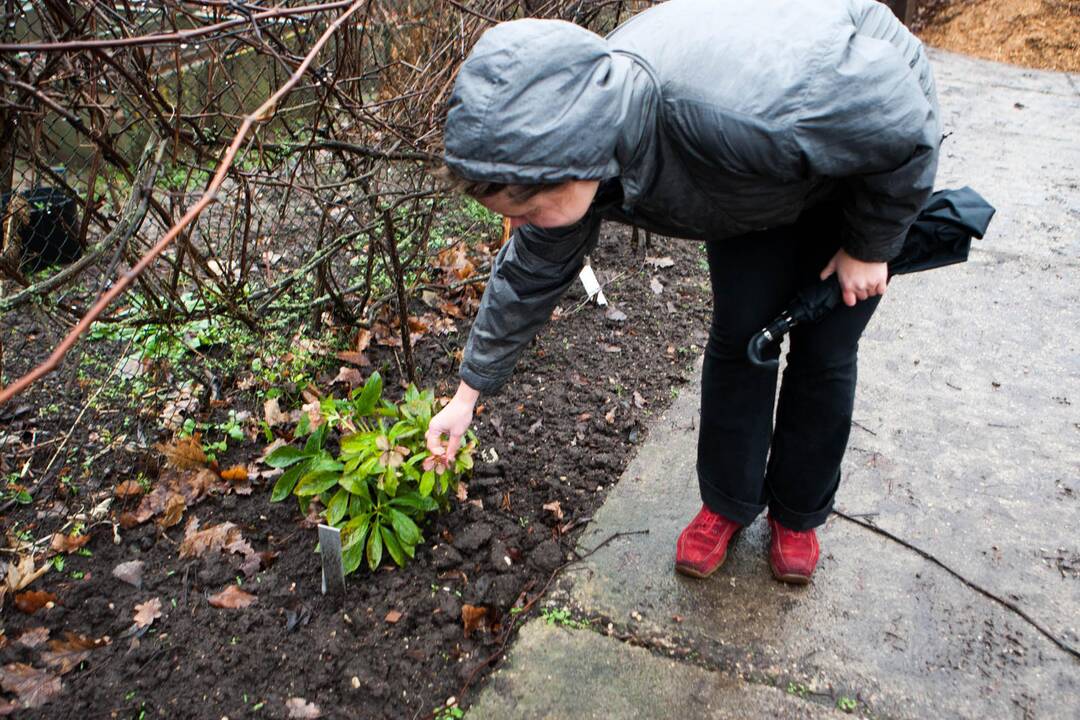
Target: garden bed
pixel 551 445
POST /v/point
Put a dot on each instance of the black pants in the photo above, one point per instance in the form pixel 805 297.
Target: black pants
pixel 753 278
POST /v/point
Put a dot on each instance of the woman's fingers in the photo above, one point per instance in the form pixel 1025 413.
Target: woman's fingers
pixel 452 446
pixel 434 440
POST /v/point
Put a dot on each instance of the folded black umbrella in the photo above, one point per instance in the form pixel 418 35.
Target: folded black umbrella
pixel 940 236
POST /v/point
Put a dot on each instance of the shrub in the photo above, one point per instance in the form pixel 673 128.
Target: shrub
pixel 383 482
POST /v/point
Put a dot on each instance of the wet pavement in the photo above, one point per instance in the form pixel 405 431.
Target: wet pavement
pixel 966 447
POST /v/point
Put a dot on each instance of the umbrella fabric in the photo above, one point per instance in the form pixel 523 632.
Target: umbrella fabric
pixel 940 236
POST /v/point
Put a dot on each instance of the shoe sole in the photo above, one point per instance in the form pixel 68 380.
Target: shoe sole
pixel 791 578
pixel 694 573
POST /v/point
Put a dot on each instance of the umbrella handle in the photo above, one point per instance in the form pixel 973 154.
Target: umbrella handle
pixel 767 337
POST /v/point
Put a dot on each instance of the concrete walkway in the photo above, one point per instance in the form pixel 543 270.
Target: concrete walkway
pixel 967 447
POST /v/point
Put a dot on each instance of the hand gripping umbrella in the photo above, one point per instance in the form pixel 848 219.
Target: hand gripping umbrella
pixel 940 236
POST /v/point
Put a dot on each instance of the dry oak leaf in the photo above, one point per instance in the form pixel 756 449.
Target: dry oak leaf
pixel 33 637
pixel 232 598
pixel 472 616
pixel 128 489
pixel 33 687
pixel 65 655
pixel 33 600
pixel 68 543
pixel 216 538
pixel 146 613
pixel 185 453
pixel 301 709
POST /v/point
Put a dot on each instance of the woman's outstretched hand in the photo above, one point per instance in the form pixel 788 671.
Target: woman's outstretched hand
pixel 453 422
pixel 858 280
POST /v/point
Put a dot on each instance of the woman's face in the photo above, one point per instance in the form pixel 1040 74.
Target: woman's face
pixel 559 206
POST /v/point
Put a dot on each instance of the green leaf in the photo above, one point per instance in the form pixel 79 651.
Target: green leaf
pixel 370 396
pixel 427 482
pixel 359 504
pixel 285 456
pixel 314 483
pixel 356 484
pixel 421 505
pixel 392 545
pixel 286 483
pixel 356 444
pixel 354 531
pixel 390 483
pixel 324 463
pixel 335 509
pixel 305 503
pixel 405 528
pixel 315 442
pixel 374 550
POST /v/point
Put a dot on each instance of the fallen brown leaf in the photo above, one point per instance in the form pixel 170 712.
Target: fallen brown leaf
pixel 174 511
pixel 128 489
pixel 33 687
pixel 33 637
pixel 393 616
pixel 472 616
pixel 656 286
pixel 146 613
pixel 233 598
pixel 555 509
pixel 639 401
pixel 660 262
pixel 20 574
pixel 272 413
pixel 462 491
pixel 33 600
pixel 68 543
pixel 65 655
pixel 301 709
pixel 355 358
pixel 349 376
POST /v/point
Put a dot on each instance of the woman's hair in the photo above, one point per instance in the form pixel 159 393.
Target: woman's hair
pixel 480 189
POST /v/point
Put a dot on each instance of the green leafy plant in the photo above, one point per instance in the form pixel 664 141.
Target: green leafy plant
pixel 382 483
pixel 848 705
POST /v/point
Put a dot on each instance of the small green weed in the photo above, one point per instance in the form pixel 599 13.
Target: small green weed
pixel 848 705
pixel 563 617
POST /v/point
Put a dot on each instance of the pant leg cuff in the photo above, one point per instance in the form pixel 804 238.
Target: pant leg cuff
pixel 735 510
pixel 793 520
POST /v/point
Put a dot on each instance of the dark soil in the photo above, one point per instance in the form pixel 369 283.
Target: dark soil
pixel 563 430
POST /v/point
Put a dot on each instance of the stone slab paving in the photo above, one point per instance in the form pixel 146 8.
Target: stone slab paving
pixel 966 445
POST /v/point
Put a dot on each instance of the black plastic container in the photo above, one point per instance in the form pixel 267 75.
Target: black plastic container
pixel 49 238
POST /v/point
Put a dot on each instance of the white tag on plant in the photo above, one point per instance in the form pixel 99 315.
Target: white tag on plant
pixel 592 285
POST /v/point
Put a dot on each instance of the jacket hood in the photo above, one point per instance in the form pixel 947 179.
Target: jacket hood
pixel 542 101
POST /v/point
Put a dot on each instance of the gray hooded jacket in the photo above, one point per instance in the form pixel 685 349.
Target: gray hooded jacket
pixel 717 117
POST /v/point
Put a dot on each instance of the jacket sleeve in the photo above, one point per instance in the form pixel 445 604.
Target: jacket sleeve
pixel 868 122
pixel 529 275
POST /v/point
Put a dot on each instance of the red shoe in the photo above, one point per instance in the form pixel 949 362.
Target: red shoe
pixel 702 546
pixel 793 554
